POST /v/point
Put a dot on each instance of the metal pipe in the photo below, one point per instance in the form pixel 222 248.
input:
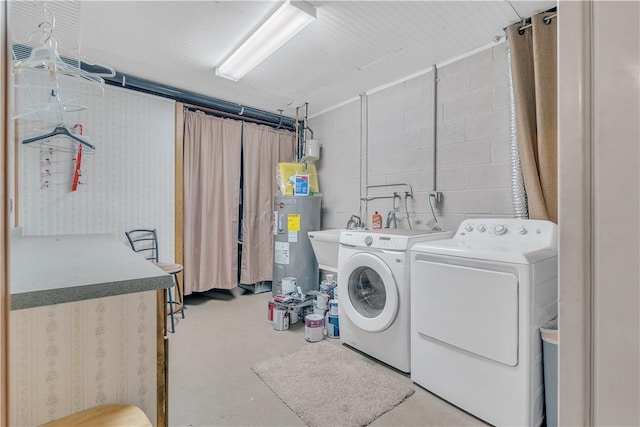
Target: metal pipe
pixel 368 199
pixel 392 185
pixel 435 123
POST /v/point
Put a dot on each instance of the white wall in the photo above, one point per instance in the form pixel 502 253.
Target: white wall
pixel 599 206
pixel 128 181
pixel 616 179
pixel 387 138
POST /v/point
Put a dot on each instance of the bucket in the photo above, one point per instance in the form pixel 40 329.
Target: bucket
pixel 314 327
pixel 293 316
pixel 289 285
pixel 311 150
pixel 333 327
pixel 280 319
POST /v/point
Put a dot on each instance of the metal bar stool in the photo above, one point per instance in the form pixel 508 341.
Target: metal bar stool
pixel 145 242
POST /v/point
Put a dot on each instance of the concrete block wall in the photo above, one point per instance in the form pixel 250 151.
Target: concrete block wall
pixel 339 163
pixel 386 138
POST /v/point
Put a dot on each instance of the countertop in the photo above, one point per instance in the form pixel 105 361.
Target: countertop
pixel 46 270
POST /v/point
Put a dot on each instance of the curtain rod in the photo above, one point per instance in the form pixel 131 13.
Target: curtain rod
pixel 193 107
pixel 526 22
pixel 546 20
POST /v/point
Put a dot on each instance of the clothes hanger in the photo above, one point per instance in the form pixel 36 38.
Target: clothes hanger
pixel 46 58
pixel 61 129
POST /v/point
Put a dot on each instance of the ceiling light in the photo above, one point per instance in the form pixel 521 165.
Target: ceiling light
pixel 285 23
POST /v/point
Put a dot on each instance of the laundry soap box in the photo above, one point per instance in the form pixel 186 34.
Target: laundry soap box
pixel 291 181
pixel 301 185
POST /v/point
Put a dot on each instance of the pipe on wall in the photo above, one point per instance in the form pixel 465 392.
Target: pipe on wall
pixel 180 95
pixel 188 97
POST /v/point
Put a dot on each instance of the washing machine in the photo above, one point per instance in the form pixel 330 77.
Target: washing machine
pixel 373 289
pixel 478 301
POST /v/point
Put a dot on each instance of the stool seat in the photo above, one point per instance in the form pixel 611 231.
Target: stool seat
pixel 116 415
pixel 169 267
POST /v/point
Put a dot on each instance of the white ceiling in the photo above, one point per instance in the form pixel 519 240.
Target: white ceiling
pixel 352 47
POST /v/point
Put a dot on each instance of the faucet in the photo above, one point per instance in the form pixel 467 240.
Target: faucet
pixel 391 216
pixel 355 223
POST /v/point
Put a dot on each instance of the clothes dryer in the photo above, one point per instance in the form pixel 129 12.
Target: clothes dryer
pixel 374 288
pixel 478 301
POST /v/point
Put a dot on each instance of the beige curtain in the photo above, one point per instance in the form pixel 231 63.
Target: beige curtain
pixel 211 202
pixel 263 148
pixel 533 65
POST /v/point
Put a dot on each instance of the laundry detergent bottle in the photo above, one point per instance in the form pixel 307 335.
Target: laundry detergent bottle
pixel 376 221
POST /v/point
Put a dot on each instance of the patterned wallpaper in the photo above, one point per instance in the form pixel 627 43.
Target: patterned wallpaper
pixel 128 182
pixel 69 357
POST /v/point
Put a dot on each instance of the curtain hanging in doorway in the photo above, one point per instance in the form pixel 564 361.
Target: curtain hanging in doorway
pixel 263 149
pixel 533 65
pixel 211 202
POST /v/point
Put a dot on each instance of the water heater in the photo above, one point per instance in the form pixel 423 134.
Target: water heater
pixel 293 218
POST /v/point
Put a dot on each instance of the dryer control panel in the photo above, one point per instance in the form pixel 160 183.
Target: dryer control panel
pixel 510 231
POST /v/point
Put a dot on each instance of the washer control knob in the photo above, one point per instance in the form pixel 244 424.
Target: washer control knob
pixel 368 240
pixel 522 230
pixel 499 229
pixel 468 228
pixel 482 228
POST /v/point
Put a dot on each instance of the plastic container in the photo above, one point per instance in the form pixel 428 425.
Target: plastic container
pixel 376 221
pixel 550 340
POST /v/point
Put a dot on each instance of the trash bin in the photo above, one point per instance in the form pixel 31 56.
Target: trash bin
pixel 549 334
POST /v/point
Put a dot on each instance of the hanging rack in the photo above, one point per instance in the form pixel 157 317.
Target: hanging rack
pixel 61 129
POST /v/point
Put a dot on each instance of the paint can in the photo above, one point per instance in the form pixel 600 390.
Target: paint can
pixel 314 327
pixel 333 307
pixel 333 327
pixel 293 316
pixel 270 309
pixel 280 319
pixel 321 301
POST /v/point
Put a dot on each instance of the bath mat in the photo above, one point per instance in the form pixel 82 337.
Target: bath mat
pixel 326 384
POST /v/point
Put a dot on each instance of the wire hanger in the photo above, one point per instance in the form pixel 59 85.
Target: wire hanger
pixel 61 129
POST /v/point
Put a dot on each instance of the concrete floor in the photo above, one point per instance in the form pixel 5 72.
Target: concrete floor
pixel 211 383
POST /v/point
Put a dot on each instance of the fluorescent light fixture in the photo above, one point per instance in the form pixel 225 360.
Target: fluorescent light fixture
pixel 286 22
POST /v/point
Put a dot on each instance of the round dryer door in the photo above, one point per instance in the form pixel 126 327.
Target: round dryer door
pixel 368 292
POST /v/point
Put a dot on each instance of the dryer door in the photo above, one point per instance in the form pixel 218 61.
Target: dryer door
pixel 368 292
pixel 472 308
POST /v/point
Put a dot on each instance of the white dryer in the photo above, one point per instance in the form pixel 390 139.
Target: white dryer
pixel 373 289
pixel 478 301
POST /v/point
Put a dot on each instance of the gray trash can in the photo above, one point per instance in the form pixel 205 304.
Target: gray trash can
pixel 549 334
